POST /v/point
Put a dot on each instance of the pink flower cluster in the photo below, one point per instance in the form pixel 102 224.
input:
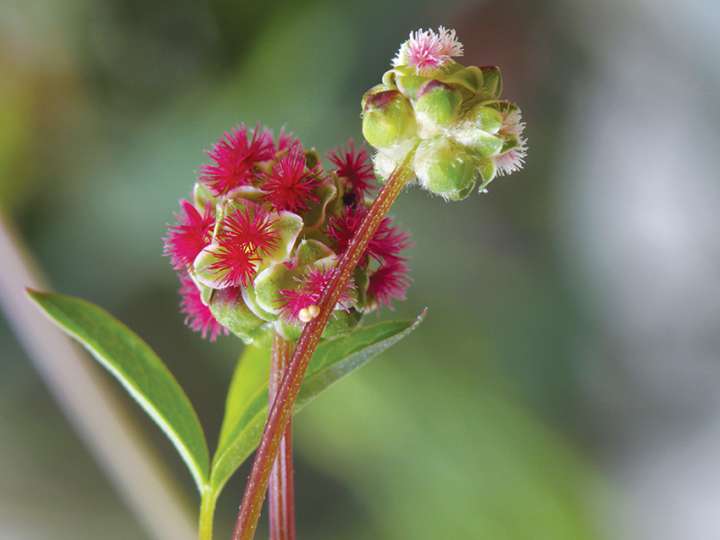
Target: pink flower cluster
pixel 282 178
pixel 426 49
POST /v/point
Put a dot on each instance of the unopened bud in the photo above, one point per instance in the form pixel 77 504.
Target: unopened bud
pixel 445 168
pixel 437 106
pixel 388 119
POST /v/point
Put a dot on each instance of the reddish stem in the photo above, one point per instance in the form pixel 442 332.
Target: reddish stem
pixel 281 487
pixel 282 408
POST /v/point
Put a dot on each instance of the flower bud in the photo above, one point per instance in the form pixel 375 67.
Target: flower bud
pixel 388 119
pixel 445 168
pixel 488 119
pixel 437 106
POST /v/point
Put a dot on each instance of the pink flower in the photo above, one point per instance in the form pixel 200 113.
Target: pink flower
pixel 188 238
pixel 198 316
pixel 387 242
pixel 290 185
pixel 389 282
pixel 301 303
pixel 245 234
pixel 355 166
pixel 426 49
pixel 235 159
pixel 513 160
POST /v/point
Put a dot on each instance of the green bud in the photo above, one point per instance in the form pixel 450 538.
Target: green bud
pixel 375 90
pixel 488 119
pixel 445 168
pixel 388 119
pixel 478 141
pixel 230 311
pixel 437 106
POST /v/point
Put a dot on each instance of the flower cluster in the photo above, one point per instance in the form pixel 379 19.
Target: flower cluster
pixel 450 115
pixel 259 243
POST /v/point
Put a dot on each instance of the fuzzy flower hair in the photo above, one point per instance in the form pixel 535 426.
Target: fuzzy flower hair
pixel 355 167
pixel 514 159
pixel 197 315
pixel 235 159
pixel 189 236
pixel 426 49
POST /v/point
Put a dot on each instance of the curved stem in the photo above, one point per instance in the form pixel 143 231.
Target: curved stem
pixel 207 512
pixel 282 408
pixel 281 487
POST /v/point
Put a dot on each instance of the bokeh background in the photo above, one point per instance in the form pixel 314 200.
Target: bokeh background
pixel 564 384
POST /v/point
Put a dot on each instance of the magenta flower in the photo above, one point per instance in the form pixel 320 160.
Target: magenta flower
pixel 252 229
pixel 244 237
pixel 236 157
pixel 389 282
pixel 386 243
pixel 197 315
pixel 300 303
pixel 290 184
pixel 285 141
pixel 354 165
pixel 188 238
pixel 426 49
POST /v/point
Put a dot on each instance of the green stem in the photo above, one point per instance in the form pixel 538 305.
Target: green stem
pixel 287 393
pixel 207 512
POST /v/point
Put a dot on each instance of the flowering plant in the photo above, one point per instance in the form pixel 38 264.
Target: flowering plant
pixel 288 254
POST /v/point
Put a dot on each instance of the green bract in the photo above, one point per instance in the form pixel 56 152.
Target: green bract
pixel 463 128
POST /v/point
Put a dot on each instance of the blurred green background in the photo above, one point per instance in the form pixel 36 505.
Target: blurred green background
pixel 562 386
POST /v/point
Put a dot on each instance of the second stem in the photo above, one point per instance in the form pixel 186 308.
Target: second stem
pixel 281 487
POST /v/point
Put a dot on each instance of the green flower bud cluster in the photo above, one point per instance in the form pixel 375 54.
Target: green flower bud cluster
pixel 463 133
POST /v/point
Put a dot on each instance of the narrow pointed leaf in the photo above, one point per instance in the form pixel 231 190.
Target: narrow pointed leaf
pixel 247 402
pixel 136 366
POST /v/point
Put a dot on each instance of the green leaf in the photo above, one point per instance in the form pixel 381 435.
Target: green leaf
pixel 132 362
pixel 247 401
